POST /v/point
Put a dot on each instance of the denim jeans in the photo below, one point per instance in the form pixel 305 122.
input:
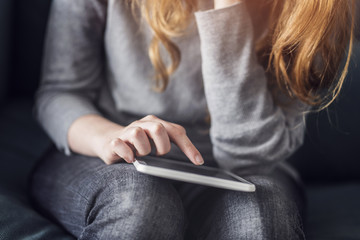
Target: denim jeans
pixel 92 200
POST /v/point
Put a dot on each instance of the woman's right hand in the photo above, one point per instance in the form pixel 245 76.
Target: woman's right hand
pixel 135 140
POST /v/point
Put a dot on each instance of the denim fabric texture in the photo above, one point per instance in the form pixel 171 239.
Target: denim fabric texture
pixel 92 200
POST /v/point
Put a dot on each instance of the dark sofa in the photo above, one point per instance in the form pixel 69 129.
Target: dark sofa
pixel 329 161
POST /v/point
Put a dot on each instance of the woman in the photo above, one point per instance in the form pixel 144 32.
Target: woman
pixel 130 78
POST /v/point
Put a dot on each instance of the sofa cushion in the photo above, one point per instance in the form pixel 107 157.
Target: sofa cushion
pixel 18 220
pixel 333 212
pixel 22 143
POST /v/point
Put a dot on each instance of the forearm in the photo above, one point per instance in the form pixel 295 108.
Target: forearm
pixel 248 129
pixel 87 135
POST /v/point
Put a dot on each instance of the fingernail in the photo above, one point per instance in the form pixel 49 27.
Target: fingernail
pixel 130 160
pixel 199 160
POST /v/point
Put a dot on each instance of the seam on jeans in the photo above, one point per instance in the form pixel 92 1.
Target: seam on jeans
pixel 91 235
pixel 65 187
pixel 102 184
pixel 100 181
pixel 95 187
pixel 300 221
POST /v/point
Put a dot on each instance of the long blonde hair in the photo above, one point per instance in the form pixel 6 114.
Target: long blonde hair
pixel 302 51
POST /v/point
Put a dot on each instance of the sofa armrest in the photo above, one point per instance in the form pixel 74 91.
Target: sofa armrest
pixel 22 143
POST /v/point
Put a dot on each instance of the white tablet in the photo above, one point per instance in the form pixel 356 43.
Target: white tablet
pixel 189 172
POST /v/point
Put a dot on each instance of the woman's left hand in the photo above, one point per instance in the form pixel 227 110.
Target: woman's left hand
pixel 224 3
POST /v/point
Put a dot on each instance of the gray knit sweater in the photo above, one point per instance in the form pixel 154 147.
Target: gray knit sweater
pixel 96 62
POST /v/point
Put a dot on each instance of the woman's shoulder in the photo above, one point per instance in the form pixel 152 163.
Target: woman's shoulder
pixel 81 2
pixel 80 7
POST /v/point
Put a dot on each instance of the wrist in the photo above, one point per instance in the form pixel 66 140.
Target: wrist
pixel 104 134
pixel 218 4
pixel 89 134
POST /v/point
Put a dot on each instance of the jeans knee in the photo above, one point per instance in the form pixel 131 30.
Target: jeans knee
pixel 135 206
pixel 279 211
pixel 273 210
pixel 268 213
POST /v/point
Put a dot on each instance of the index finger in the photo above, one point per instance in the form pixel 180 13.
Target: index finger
pixel 177 134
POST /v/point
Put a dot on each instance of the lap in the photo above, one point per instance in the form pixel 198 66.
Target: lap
pixel 79 192
pixel 76 190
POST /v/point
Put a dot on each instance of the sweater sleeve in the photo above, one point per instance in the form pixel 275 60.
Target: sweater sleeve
pixel 249 132
pixel 72 66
